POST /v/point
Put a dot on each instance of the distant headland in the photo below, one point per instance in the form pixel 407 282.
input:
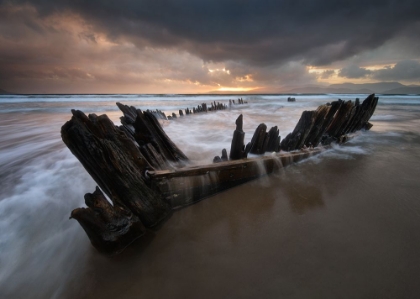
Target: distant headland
pixel 2 91
pixel 380 88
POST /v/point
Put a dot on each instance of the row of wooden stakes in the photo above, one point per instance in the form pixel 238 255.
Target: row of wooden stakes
pixel 199 109
pixel 327 124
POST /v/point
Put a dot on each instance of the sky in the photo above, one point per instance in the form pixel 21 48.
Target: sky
pixel 200 46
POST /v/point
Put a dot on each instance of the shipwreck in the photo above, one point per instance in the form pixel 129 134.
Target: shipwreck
pixel 146 177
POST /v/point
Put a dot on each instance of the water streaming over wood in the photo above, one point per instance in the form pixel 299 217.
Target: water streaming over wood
pixel 341 224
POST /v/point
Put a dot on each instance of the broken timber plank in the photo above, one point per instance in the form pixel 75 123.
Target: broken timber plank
pixel 186 186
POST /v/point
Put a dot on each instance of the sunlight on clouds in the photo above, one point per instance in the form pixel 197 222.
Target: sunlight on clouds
pixel 331 76
pixel 325 75
pixel 193 82
pixel 246 78
pixel 236 89
pixel 379 67
pixel 223 70
pixel 66 46
pixel 318 71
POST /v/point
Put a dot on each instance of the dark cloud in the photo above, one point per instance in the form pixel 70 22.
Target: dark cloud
pixel 88 36
pixel 255 31
pixel 403 70
pixel 354 72
pixel 327 74
pixel 54 73
pixel 289 75
pixel 243 42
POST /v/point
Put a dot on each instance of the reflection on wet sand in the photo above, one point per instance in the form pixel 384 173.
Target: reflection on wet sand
pixel 340 225
pixel 304 198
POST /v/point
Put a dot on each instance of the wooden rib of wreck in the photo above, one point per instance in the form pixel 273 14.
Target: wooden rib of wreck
pixel 146 176
pixel 195 110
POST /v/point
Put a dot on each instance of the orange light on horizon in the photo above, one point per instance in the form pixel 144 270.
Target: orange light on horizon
pixel 237 89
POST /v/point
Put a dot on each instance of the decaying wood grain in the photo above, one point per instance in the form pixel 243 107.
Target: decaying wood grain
pixel 186 186
pixel 237 149
pixel 110 228
pixel 146 130
pixel 259 141
pixel 146 176
pixel 115 163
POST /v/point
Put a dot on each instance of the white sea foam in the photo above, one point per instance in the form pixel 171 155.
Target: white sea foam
pixel 383 117
pixel 37 236
pixel 42 182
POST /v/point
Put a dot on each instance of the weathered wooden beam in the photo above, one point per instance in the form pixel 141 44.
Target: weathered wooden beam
pixel 352 119
pixel 367 110
pixel 219 159
pixel 110 228
pixel 318 127
pixel 296 139
pixel 188 185
pixel 153 157
pixel 237 149
pixel 224 155
pixel 273 142
pixel 116 164
pixel 329 122
pixel 340 119
pixel 258 145
pixel 146 129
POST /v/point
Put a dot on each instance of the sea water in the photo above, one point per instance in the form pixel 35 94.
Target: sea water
pixel 343 224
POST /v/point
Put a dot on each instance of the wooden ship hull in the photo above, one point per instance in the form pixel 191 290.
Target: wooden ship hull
pixel 147 177
pixel 188 185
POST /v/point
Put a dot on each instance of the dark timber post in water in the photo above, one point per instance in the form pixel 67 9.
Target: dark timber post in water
pixel 258 145
pixel 237 149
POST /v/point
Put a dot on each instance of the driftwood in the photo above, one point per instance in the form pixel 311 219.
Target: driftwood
pixel 146 176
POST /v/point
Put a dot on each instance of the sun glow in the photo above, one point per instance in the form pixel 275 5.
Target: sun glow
pixel 319 71
pixel 223 70
pixel 246 78
pixel 379 67
pixel 237 89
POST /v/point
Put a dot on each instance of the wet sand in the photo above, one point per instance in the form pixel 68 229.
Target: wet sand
pixel 344 224
pixel 336 228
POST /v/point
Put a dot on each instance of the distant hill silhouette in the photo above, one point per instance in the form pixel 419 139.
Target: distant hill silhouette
pixel 2 91
pixel 380 87
pixel 404 90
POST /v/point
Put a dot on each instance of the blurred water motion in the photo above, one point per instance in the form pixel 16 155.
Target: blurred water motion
pixel 342 224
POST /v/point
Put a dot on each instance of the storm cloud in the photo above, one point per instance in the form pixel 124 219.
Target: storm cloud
pixel 403 70
pixel 255 31
pixel 253 41
pixel 353 72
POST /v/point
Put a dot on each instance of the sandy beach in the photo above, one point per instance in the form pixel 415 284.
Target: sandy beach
pixel 343 224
